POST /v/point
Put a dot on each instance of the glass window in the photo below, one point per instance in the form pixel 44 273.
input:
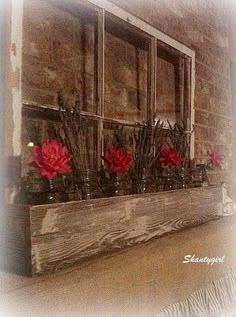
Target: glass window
pixel 59 52
pixel 126 72
pixel 121 74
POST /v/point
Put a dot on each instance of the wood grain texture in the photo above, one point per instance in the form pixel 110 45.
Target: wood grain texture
pixel 16 240
pixel 64 234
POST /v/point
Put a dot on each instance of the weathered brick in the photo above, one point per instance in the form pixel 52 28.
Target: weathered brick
pixel 201 152
pixel 201 117
pixel 36 43
pixel 41 96
pixel 86 86
pixel 201 133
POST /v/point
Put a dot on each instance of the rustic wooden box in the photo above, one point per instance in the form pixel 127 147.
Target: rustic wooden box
pixel 46 238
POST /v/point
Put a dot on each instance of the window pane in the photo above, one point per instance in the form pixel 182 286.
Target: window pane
pixel 170 90
pixel 89 142
pixel 36 131
pixel 126 72
pixel 117 135
pixel 59 51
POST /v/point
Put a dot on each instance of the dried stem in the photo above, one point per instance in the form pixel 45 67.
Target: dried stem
pixel 73 132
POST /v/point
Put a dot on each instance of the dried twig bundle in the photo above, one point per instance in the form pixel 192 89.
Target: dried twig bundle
pixel 148 143
pixel 179 139
pixel 123 138
pixel 73 132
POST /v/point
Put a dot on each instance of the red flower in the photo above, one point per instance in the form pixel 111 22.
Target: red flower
pixel 216 159
pixel 171 157
pixel 51 159
pixel 118 160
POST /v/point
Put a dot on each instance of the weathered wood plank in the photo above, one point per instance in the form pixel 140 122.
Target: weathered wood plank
pixel 64 234
pixel 102 212
pixel 16 240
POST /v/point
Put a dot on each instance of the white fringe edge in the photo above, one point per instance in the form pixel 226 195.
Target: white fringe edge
pixel 205 302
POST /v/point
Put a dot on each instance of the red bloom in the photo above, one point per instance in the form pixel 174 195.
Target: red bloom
pixel 216 159
pixel 171 157
pixel 51 159
pixel 118 160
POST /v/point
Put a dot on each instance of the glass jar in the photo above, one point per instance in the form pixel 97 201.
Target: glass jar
pixel 199 176
pixel 33 189
pixel 116 182
pixel 182 177
pixel 56 193
pixel 143 181
pixel 88 183
pixel 169 178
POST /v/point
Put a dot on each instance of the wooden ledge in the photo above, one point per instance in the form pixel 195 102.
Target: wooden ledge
pixel 47 238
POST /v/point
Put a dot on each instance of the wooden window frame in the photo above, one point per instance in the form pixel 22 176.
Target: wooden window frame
pixel 103 7
pixel 157 35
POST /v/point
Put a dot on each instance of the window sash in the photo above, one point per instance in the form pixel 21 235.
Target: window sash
pixel 187 61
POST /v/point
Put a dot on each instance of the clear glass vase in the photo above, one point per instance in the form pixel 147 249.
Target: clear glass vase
pixel 182 177
pixel 169 179
pixel 116 185
pixel 86 185
pixel 87 182
pixel 55 194
pixel 142 184
pixel 199 176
